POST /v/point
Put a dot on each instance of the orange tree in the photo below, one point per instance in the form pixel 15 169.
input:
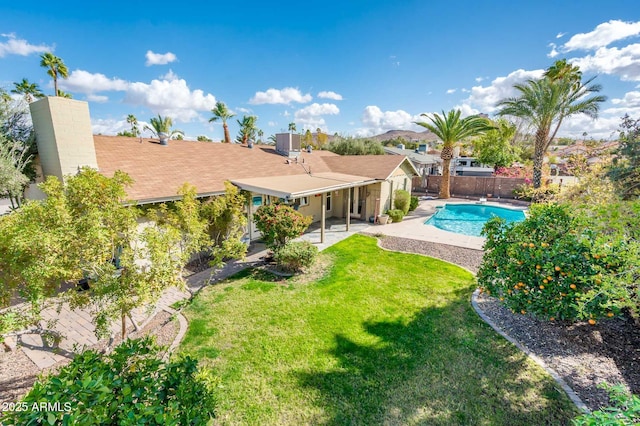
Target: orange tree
pixel 555 266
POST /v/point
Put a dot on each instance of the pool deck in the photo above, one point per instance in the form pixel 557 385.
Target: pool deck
pixel 412 226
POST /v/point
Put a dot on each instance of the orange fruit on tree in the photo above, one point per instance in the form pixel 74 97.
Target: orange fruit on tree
pixel 523 312
pixel 609 314
pixel 592 321
pixel 541 287
pixel 572 286
pixel 531 245
pixel 552 319
pixel 545 281
pixel 538 266
pixel 557 268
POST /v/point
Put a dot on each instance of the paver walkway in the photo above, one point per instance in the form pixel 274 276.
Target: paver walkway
pixel 78 331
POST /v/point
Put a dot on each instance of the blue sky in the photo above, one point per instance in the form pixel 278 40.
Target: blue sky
pixel 351 67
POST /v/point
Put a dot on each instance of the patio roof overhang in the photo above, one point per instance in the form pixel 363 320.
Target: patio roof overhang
pixel 303 185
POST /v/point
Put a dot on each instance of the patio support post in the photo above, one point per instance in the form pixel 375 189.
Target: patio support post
pixel 323 216
pixel 348 207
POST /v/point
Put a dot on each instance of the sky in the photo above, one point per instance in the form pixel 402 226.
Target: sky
pixel 351 67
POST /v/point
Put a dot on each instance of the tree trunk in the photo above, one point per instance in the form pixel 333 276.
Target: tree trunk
pixel 124 324
pixel 227 138
pixel 538 157
pixel 55 85
pixel 446 178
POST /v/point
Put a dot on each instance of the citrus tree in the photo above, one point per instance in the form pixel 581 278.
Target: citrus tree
pixel 279 224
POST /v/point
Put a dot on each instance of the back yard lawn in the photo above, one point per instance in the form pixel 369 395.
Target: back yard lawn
pixel 382 337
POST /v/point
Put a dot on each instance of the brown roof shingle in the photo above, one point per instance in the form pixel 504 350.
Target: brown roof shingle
pixel 159 171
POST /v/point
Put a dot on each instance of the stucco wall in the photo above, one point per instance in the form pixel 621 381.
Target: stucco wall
pixel 63 135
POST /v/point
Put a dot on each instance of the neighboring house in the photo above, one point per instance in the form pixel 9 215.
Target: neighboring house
pixel 469 166
pixel 318 183
pixel 426 164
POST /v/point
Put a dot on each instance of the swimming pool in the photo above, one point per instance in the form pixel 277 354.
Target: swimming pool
pixel 468 219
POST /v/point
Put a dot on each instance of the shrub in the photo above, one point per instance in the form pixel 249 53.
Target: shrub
pixel 296 255
pixel 414 203
pixel 402 200
pixel 625 410
pixel 130 386
pixel 396 215
pixel 528 193
pixel 552 266
pixel 279 224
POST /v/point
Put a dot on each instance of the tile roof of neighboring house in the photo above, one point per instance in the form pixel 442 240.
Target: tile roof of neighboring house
pixel 159 171
pixel 418 157
pixel 374 166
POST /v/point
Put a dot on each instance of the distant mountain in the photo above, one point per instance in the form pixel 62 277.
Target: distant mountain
pixel 407 135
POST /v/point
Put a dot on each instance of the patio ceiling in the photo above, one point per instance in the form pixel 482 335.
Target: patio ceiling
pixel 296 186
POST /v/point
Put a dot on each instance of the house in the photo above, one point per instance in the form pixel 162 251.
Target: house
pixel 319 183
pixel 426 164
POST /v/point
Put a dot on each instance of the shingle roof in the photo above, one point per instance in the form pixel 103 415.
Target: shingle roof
pixel 374 166
pixel 159 171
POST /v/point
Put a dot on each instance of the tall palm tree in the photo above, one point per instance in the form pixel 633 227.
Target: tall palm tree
pixel 222 113
pixel 162 125
pixel 546 103
pixel 29 90
pixel 247 129
pixel 56 68
pixel 450 128
pixel 133 121
pixel 292 127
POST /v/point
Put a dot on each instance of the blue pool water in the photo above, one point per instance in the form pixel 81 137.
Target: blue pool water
pixel 468 219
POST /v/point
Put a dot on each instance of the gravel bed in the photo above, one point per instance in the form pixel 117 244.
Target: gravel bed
pixel 18 372
pixel 582 354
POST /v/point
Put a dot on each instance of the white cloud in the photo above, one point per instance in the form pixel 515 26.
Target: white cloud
pixel 244 110
pixel 310 117
pixel 97 98
pixel 159 58
pixel 602 128
pixel 108 126
pixel 284 96
pixel 554 51
pixel 623 62
pixel 330 95
pixel 560 35
pixel 603 35
pixel 169 96
pixel 484 99
pixel 169 76
pixel 630 99
pixel 376 121
pixel 172 98
pixel 86 82
pixel 17 46
pixel 479 79
pixel 450 91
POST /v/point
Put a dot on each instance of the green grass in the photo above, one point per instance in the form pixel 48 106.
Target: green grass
pixel 382 338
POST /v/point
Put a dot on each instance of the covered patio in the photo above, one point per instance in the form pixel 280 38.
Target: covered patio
pixel 299 189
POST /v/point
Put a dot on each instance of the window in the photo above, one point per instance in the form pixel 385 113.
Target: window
pixel 304 201
pixel 328 201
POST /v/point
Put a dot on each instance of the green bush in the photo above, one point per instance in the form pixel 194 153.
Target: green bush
pixel 402 201
pixel 625 410
pixel 396 215
pixel 552 266
pixel 130 386
pixel 296 255
pixel 279 224
pixel 527 192
pixel 414 203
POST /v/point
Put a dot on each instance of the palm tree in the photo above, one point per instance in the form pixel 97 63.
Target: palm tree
pixel 56 68
pixel 133 121
pixel 247 129
pixel 292 127
pixel 260 135
pixel 222 113
pixel 161 128
pixel 450 128
pixel 29 90
pixel 547 102
pixel 63 94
